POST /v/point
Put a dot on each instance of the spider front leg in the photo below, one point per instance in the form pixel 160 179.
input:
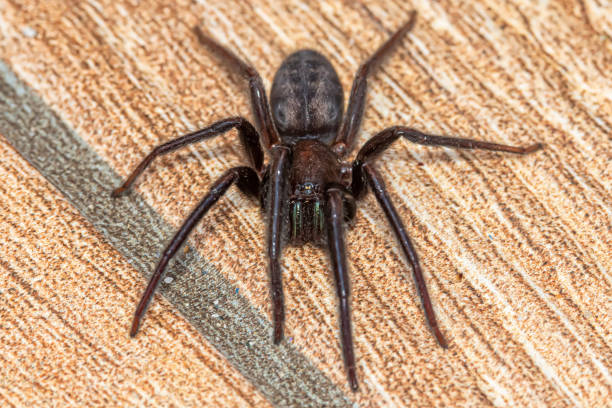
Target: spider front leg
pixel 364 173
pixel 275 207
pixel 337 250
pixel 247 180
pixel 248 136
pixel 374 180
pixel 382 140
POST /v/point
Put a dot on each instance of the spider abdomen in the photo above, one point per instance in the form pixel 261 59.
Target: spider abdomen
pixel 307 98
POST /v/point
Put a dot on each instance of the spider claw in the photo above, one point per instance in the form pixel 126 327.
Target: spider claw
pixel 278 333
pixel 352 377
pixel 118 192
pixel 534 147
pixel 433 324
pixel 440 337
pixel 135 326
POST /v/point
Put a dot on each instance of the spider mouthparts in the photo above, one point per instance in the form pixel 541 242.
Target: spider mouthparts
pixel 307 220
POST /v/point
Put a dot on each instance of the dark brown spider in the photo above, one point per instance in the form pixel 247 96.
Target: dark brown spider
pixel 307 182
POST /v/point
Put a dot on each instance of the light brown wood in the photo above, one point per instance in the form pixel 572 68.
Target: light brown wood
pixel 66 299
pixel 516 250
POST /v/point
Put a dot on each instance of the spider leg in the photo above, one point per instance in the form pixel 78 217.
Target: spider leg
pixel 246 179
pixel 354 112
pixel 335 230
pixel 379 142
pixel 364 174
pixel 275 203
pixel 248 136
pixel 258 92
pixel 374 180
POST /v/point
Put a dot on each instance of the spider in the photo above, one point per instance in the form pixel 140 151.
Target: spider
pixel 307 191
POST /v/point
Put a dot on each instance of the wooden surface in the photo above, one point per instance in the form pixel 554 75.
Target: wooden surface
pixel 516 250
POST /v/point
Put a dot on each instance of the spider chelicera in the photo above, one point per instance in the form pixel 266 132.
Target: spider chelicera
pixel 307 190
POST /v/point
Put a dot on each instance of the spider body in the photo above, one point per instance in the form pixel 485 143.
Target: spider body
pixel 307 190
pixel 307 102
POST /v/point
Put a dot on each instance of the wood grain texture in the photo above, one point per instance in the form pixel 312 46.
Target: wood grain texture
pixel 64 316
pixel 516 250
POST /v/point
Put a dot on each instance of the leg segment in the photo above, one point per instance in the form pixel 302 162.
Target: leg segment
pixel 335 220
pixel 258 92
pixel 354 112
pixel 382 140
pixel 379 142
pixel 248 136
pixel 247 180
pixel 275 206
pixel 376 183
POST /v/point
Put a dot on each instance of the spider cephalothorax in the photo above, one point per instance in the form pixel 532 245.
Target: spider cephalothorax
pixel 307 181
